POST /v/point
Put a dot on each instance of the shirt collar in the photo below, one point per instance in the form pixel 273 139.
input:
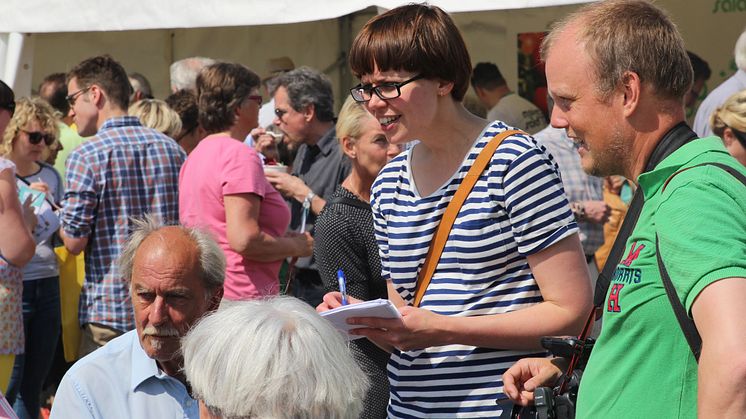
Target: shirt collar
pixel 328 141
pixel 120 121
pixel 143 367
pixel 652 181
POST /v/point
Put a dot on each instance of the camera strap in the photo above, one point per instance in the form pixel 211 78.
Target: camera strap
pixel 674 138
pixel 671 141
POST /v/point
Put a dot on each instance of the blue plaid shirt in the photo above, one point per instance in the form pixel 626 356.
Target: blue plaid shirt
pixel 126 170
pixel 578 185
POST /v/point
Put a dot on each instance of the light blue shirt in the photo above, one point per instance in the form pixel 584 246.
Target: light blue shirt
pixel 717 97
pixel 119 380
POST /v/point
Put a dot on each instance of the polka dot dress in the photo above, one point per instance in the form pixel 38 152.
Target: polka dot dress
pixel 344 240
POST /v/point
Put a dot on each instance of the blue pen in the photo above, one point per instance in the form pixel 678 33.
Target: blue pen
pixel 342 286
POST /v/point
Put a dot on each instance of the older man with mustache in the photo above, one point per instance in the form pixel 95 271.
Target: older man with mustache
pixel 176 276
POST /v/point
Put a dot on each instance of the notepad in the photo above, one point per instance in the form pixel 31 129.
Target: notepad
pixel 373 308
pixel 48 221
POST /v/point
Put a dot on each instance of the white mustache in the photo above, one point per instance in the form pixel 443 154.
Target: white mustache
pixel 160 331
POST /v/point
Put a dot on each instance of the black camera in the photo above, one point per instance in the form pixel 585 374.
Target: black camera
pixel 557 402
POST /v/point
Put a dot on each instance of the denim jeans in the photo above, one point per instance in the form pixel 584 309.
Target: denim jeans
pixel 41 324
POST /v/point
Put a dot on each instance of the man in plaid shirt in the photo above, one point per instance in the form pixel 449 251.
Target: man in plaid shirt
pixel 125 171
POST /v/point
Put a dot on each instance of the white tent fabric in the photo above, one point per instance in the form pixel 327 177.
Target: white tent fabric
pixel 41 16
pixel 21 17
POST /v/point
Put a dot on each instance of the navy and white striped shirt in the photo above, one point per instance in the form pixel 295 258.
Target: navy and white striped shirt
pixel 516 208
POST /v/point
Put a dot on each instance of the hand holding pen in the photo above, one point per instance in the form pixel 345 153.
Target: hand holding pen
pixel 342 286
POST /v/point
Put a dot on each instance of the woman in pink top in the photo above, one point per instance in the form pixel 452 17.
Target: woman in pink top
pixel 223 189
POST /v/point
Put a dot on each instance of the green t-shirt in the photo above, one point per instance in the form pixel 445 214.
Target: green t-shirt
pixel 642 366
pixel 70 140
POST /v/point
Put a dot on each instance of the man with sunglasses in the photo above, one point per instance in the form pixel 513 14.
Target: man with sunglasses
pixel 125 171
pixel 304 113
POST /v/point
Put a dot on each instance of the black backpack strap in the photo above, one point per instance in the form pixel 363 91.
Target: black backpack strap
pixel 685 322
pixel 348 201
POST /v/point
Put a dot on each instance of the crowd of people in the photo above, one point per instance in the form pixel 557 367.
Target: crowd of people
pixel 218 223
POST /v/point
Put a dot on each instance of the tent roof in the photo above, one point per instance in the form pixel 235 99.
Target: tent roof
pixel 40 16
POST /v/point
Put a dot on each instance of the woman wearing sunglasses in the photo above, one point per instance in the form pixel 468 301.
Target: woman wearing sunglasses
pixel 512 269
pixel 26 142
pixel 222 186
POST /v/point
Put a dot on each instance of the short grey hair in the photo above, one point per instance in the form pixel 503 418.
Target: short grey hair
pixel 211 256
pixel 273 358
pixel 740 51
pixel 307 86
pixel 184 72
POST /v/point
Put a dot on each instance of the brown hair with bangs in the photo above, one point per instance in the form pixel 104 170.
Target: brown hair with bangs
pixel 418 38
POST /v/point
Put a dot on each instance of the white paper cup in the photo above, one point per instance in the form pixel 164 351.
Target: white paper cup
pixel 277 168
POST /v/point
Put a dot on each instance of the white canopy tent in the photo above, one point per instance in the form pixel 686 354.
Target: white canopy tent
pixel 38 37
pixel 18 18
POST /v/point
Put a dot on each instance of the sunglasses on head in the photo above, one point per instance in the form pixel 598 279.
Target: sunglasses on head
pixel 35 137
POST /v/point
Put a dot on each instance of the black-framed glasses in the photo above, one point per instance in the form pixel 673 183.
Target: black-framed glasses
pixel 10 107
pixel 35 137
pixel 385 91
pixel 280 112
pixel 71 98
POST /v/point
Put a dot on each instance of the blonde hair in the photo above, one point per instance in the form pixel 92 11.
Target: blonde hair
pixel 731 114
pixel 27 111
pixel 156 114
pixel 351 119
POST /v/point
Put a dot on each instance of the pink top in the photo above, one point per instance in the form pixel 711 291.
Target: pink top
pixel 221 166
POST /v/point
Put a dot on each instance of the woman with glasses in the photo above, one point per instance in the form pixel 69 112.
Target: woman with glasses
pixel 729 123
pixel 512 269
pixel 222 186
pixel 27 140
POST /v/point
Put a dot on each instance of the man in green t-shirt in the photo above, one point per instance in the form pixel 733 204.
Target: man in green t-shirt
pixel 618 73
pixel 53 89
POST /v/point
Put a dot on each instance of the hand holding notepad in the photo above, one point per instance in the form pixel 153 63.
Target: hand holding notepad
pixel 374 308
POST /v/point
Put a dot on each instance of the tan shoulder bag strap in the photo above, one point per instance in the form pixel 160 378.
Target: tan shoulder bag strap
pixel 449 216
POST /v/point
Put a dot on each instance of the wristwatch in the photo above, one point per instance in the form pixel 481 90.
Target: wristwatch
pixel 307 200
